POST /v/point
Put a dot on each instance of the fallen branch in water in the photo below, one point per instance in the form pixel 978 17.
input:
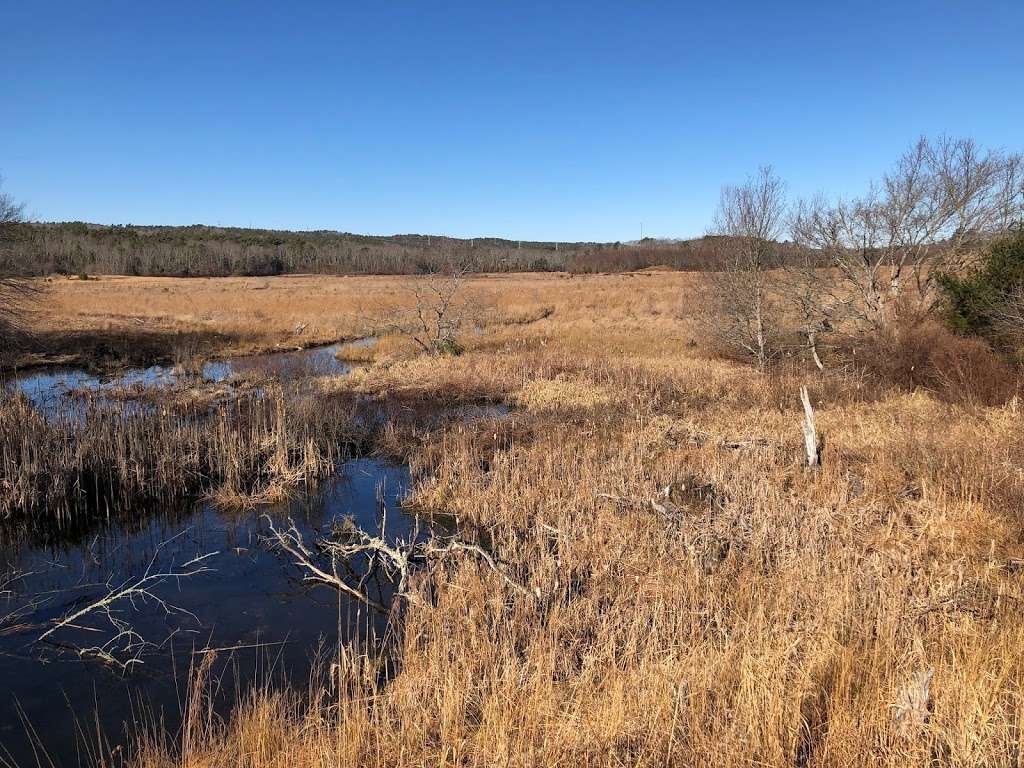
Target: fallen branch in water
pixel 126 640
pixel 291 541
pixel 13 620
pixel 329 561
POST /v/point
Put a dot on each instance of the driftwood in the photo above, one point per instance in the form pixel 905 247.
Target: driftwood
pixel 125 640
pixel 328 561
pixel 700 438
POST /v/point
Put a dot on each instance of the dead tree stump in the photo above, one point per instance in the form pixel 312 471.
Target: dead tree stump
pixel 811 445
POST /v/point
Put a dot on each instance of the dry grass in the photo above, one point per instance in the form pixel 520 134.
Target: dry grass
pixel 756 613
pixel 115 458
pixel 243 315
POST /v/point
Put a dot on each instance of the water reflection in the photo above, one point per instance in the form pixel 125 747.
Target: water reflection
pixel 249 601
pixel 49 388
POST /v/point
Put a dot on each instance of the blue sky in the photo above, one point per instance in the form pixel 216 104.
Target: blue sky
pixel 561 121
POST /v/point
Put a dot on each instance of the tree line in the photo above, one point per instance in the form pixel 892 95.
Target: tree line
pixel 77 248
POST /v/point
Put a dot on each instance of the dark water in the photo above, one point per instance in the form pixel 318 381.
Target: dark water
pixel 252 600
pixel 249 603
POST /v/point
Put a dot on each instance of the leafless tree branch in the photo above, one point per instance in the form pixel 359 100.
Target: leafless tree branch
pixel 930 212
pixel 125 641
pixel 322 563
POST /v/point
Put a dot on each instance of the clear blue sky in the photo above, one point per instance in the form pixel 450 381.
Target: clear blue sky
pixel 556 120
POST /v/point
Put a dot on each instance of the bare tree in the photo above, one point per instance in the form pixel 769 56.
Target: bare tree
pixel 1010 193
pixel 812 303
pixel 437 310
pixel 848 236
pixel 11 214
pixel 941 198
pixel 930 212
pixel 744 296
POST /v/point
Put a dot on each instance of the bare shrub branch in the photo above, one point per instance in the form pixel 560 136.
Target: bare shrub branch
pixel 437 309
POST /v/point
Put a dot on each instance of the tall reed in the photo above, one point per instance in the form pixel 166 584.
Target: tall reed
pixel 106 456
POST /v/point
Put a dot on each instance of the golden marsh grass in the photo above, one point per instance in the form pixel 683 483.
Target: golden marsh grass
pixel 756 613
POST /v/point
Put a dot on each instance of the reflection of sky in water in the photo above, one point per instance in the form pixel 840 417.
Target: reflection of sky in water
pixel 251 596
pixel 48 387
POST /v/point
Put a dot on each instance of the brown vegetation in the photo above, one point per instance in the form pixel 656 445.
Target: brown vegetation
pixel 704 597
pixel 113 458
pixel 138 320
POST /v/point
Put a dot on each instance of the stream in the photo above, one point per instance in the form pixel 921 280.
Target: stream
pixel 49 388
pixel 248 603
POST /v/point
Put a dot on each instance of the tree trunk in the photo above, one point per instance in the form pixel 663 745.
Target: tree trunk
pixel 892 302
pixel 812 345
pixel 762 353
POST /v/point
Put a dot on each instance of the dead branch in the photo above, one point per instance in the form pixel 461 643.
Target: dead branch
pixel 622 501
pixel 460 546
pixel 811 446
pixel 14 620
pixel 134 591
pixel 290 540
pixel 330 560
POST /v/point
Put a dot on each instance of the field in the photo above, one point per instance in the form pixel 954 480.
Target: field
pixel 694 594
pixel 225 316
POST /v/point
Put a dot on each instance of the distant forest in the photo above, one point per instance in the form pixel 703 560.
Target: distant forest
pixel 77 248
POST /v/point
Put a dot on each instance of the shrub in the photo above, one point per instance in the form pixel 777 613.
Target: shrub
pixel 974 300
pixel 926 355
pixel 450 346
